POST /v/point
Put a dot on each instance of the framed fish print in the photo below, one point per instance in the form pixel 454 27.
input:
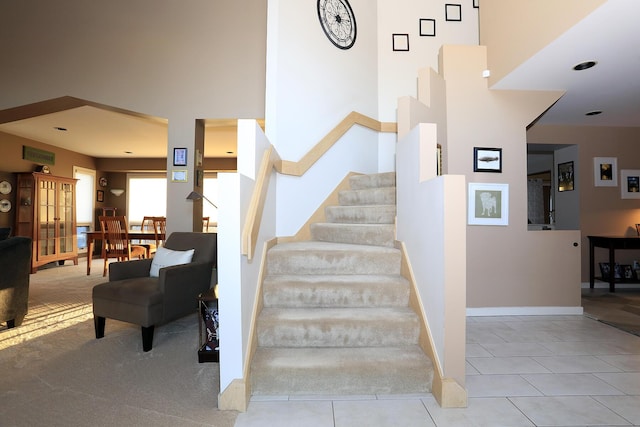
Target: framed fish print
pixel 487 159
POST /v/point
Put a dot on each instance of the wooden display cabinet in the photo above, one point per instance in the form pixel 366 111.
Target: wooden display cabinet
pixel 46 212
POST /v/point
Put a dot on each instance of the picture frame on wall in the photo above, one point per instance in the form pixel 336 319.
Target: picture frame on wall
pixel 605 171
pixel 428 27
pixel 630 183
pixel 179 157
pixel 488 204
pixel 179 175
pixel 100 196
pixel 565 176
pixel 400 42
pixel 487 159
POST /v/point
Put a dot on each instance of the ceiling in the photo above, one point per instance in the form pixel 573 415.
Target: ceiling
pixel 607 36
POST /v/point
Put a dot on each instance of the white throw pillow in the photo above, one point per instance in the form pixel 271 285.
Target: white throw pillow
pixel 167 257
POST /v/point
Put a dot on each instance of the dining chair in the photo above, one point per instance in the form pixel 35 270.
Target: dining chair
pixel 160 226
pixel 149 225
pixel 115 235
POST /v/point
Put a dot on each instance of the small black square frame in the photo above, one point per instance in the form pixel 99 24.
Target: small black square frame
pixel 487 159
pixel 476 4
pixel 428 27
pixel 452 12
pixel 401 42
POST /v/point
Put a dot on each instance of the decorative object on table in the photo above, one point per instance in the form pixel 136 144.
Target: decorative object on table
pixel 565 176
pixel 605 171
pixel 488 204
pixel 400 42
pixel 179 157
pixel 338 22
pixel 209 341
pixel 630 183
pixel 627 272
pixel 487 159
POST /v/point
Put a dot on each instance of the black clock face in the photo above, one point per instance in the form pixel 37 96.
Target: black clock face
pixel 338 22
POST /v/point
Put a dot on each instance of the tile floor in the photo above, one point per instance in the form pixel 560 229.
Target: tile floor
pixel 521 371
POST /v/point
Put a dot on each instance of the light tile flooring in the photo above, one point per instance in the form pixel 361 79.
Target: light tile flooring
pixel 521 371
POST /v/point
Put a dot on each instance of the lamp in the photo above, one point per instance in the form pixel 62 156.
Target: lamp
pixel 197 196
pixel 117 191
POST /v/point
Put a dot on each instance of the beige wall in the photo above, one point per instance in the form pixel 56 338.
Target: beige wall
pixel 507 266
pixel 602 210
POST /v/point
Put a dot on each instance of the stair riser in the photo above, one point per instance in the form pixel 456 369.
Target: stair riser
pixel 375 196
pixel 287 293
pixel 369 234
pixel 377 214
pixel 341 333
pixel 327 262
pixel 341 371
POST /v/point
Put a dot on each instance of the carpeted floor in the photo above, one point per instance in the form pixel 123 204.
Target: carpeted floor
pixel 55 373
pixel 620 309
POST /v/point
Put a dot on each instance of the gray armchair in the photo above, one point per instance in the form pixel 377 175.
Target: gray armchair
pixel 132 295
pixel 15 265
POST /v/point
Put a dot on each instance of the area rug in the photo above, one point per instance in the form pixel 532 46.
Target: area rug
pixel 620 309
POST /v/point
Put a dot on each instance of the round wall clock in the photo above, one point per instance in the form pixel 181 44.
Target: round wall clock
pixel 5 187
pixel 338 22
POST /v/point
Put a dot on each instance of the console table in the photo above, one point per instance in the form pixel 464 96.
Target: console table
pixel 611 243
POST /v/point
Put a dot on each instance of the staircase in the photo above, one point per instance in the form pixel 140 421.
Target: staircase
pixel 335 317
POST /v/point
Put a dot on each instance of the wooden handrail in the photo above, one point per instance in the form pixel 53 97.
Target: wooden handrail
pixel 271 159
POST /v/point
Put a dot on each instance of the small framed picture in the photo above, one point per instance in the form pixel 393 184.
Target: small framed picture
pixel 630 183
pixel 605 171
pixel 565 176
pixel 487 159
pixel 179 157
pixel 100 196
pixel 179 175
pixel 452 12
pixel 428 27
pixel 400 42
pixel 488 204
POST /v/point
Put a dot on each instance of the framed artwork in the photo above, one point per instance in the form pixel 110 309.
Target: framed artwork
pixel 487 159
pixel 452 12
pixel 488 204
pixel 100 196
pixel 605 171
pixel 630 183
pixel 401 42
pixel 565 176
pixel 179 175
pixel 179 157
pixel 476 4
pixel 428 27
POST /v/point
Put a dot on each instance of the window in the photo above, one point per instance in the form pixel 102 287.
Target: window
pixel 147 196
pixel 85 203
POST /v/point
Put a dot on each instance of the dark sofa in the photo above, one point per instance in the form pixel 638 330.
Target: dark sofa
pixel 15 268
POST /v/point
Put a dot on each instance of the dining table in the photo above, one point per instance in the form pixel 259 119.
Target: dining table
pixel 92 236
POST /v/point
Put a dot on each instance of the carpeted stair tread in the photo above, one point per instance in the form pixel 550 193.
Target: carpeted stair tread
pixel 368 196
pixel 338 327
pixel 317 371
pixel 360 234
pixel 375 180
pixel 335 291
pixel 369 214
pixel 314 257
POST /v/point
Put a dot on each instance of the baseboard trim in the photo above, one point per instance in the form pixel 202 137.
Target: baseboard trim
pixel 523 311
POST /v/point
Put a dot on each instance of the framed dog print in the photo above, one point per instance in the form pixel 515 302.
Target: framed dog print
pixel 488 204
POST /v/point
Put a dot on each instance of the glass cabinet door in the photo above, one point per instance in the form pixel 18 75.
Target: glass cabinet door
pixel 65 222
pixel 47 218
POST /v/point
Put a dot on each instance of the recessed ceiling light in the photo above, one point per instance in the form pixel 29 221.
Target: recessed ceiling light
pixel 229 152
pixel 61 129
pixel 128 152
pixel 585 65
pixel 593 113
